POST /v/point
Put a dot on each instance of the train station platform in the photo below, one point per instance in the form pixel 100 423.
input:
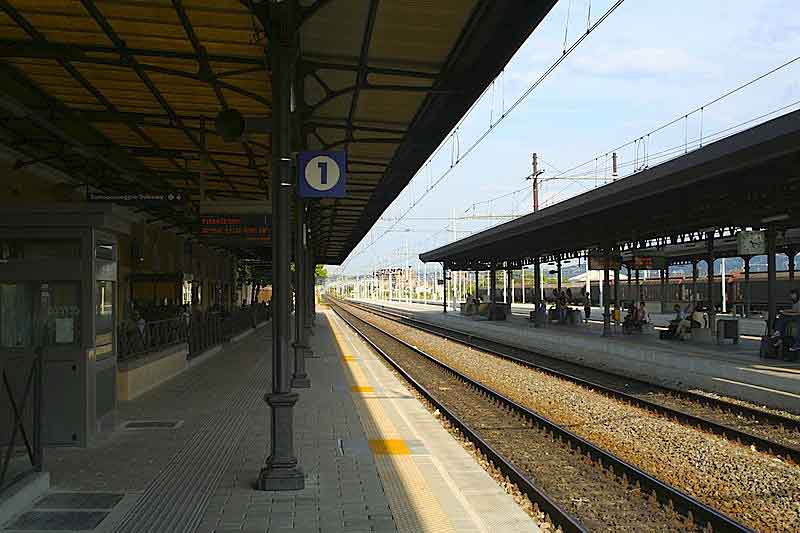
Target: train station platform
pixel 731 370
pixel 186 455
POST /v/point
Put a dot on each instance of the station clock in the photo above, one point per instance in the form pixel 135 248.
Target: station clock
pixel 751 243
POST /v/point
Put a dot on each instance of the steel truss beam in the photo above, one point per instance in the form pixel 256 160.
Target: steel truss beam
pixel 122 50
pixel 205 70
pixel 38 37
pixel 78 52
pixel 310 65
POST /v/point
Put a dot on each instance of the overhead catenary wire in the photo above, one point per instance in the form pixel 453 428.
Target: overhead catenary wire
pixel 685 116
pixel 485 134
pixel 648 158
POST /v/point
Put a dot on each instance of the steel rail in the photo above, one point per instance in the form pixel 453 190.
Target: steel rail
pixel 682 502
pixel 558 516
pixel 730 433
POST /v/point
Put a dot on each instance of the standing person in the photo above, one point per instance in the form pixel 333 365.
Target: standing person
pixel 587 306
pixel 562 306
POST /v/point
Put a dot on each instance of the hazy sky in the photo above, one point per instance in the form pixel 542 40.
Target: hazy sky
pixel 648 63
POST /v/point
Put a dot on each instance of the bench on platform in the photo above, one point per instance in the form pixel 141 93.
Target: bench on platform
pixel 498 311
pixel 574 316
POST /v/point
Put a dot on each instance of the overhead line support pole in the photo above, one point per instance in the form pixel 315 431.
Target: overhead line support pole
pixel 606 299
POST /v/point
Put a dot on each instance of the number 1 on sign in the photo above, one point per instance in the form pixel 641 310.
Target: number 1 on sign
pixel 323 172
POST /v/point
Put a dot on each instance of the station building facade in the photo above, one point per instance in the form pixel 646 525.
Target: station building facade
pixel 73 275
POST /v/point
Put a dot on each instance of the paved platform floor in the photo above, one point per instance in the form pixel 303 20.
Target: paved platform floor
pixel 374 458
pixel 733 370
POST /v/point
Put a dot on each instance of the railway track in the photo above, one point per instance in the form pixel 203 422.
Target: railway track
pixel 579 485
pixel 766 431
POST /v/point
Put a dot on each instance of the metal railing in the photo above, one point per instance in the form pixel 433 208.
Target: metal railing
pixel 205 331
pixel 150 337
pixel 261 313
pixel 21 404
pixel 201 332
pixel 238 321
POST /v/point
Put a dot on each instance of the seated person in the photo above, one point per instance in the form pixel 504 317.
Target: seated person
pixel 632 319
pixel 693 319
pixel 699 317
pixel 644 317
pixel 615 313
pixel 787 318
pixel 674 324
pixel 679 313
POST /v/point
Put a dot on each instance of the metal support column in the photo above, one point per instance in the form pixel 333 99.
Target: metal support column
pixel 537 281
pixel 606 299
pixel 492 291
pixel 663 287
pixel 694 281
pixel 312 296
pixel 310 293
pixel 747 285
pixel 281 471
pixel 476 285
pixel 711 310
pixel 771 278
pixel 444 285
pixel 558 276
pixel 300 379
pixel 630 280
pixel 790 253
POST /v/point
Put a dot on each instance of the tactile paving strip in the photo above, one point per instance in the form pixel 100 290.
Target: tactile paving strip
pixel 176 499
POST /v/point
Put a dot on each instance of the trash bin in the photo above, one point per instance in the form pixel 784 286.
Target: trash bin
pixel 727 328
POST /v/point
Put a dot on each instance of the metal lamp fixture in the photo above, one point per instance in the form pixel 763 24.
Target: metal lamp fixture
pixel 231 125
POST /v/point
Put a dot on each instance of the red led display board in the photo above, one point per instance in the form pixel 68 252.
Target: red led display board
pixel 248 228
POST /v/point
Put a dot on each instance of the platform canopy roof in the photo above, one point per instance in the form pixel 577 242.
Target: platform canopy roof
pixel 122 94
pixel 745 180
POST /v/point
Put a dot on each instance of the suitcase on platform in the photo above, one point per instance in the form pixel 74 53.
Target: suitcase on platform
pixel 770 347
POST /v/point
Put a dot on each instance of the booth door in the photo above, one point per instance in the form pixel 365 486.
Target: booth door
pixel 47 314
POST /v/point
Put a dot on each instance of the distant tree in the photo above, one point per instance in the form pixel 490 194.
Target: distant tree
pixel 320 272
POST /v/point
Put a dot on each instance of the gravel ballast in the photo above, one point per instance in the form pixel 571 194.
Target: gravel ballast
pixel 753 487
pixel 599 499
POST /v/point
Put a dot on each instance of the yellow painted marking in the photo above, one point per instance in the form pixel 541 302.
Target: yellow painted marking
pixel 389 447
pixel 349 358
pixel 357 388
pixel 415 506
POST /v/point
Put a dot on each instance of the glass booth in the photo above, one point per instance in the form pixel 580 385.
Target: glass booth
pixel 57 293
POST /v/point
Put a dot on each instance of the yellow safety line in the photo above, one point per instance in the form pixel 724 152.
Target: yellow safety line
pixel 414 506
